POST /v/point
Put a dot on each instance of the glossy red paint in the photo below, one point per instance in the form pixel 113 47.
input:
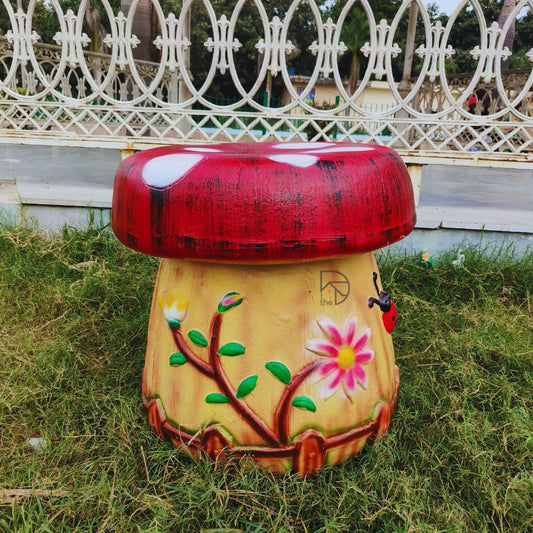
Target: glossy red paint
pixel 389 318
pixel 262 202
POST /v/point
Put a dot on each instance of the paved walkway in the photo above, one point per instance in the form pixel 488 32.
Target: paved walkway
pixel 52 175
pixel 476 198
pixel 451 197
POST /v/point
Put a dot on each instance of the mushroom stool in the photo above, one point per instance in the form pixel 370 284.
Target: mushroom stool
pixel 269 333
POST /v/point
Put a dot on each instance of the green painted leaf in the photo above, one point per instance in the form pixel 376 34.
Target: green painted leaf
pixel 173 323
pixel 280 371
pixel 232 299
pixel 303 402
pixel 197 338
pixel 246 387
pixel 177 359
pixel 216 397
pixel 231 349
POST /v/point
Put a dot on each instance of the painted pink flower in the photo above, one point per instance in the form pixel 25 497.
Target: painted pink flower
pixel 232 299
pixel 345 353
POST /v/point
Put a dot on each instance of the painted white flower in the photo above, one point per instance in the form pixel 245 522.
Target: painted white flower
pixel 174 307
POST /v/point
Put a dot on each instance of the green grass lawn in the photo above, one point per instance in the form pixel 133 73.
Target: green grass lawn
pixel 73 319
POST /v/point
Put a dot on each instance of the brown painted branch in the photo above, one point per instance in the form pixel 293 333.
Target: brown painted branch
pixel 220 377
pixel 281 414
pixel 202 366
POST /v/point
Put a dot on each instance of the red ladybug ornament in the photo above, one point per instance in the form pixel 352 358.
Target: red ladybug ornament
pixel 385 303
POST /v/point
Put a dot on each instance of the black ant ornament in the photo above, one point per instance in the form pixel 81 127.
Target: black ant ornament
pixel 386 305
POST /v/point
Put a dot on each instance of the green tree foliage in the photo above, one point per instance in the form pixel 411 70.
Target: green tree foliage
pixel 45 20
pixel 465 35
pixel 249 31
pixel 356 32
pixel 523 41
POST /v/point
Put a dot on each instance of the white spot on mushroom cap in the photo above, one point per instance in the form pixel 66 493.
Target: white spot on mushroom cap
pixel 336 150
pixel 162 171
pixel 299 146
pixel 201 149
pixel 296 160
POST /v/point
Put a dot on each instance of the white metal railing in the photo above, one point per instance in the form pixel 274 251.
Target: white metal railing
pixel 62 92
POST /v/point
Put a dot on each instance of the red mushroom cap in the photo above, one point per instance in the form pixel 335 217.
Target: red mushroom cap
pixel 262 202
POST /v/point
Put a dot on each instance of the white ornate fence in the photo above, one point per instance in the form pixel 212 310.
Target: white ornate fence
pixel 63 93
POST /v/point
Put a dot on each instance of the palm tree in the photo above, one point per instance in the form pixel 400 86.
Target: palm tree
pixel 146 27
pixel 94 25
pixel 356 32
pixel 409 48
pixel 507 8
